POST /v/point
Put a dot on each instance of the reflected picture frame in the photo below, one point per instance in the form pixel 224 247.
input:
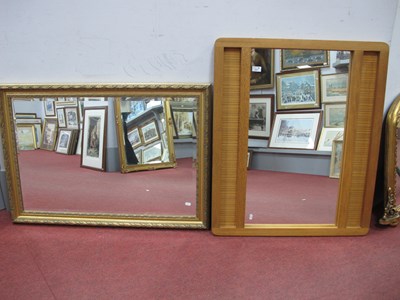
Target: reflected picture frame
pixel 49 134
pixel 262 68
pixel 49 106
pixel 294 58
pixel 150 132
pixel 94 138
pixel 249 158
pixel 260 116
pixel 25 116
pixel 64 141
pixel 336 159
pixel 152 153
pixel 295 130
pixel 61 117
pixel 334 87
pixel 298 90
pixel 328 135
pixel 26 137
pixel 72 117
pixel 134 138
pixel 38 127
pixel 334 114
pixel 184 123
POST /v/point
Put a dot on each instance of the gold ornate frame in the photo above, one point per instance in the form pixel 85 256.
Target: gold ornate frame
pixel 20 215
pixel 363 128
pixel 125 167
pixel 391 215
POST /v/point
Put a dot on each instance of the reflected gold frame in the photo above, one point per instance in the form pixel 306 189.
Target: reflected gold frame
pixel 20 215
pixel 366 93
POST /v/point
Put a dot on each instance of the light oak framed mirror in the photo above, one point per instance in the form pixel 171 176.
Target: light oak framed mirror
pixel 48 184
pixel 352 200
pixel 391 214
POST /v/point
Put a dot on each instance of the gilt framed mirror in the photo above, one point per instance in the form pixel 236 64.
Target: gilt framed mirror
pixel 69 164
pixel 391 213
pixel 145 140
pixel 297 188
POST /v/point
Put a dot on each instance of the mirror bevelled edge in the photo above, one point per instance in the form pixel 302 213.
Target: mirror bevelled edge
pixel 368 72
pixel 202 218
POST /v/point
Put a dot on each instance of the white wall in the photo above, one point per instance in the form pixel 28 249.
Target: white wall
pixel 44 41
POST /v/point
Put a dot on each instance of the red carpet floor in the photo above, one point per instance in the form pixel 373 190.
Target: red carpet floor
pixel 56 182
pixel 65 262
pixel 288 198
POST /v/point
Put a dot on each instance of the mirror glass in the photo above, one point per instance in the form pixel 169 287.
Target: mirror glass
pixel 76 153
pixel 297 117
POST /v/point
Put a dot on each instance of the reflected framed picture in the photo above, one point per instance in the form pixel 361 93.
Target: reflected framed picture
pixel 328 135
pixel 26 137
pixel 35 122
pixel 152 154
pixel 260 116
pixel 183 120
pixel 295 58
pixel 298 90
pixel 94 138
pixel 334 114
pixel 134 138
pixel 63 141
pixel 150 132
pixel 262 68
pixel 249 158
pixel 72 117
pixel 336 159
pixel 295 130
pixel 25 116
pixel 334 87
pixel 49 106
pixel 49 134
pixel 61 117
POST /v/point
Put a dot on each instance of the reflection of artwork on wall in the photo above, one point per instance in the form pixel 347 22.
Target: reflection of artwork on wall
pixel 150 132
pixel 61 117
pixel 260 116
pixel 26 137
pixel 134 138
pixel 249 158
pixel 64 139
pixel 183 122
pixel 297 90
pixel 336 159
pixel 93 138
pixel 49 134
pixel 328 135
pixel 262 68
pixel 334 114
pixel 49 107
pixel 290 59
pixel 334 87
pixel 296 131
pixel 72 119
pixel 152 153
